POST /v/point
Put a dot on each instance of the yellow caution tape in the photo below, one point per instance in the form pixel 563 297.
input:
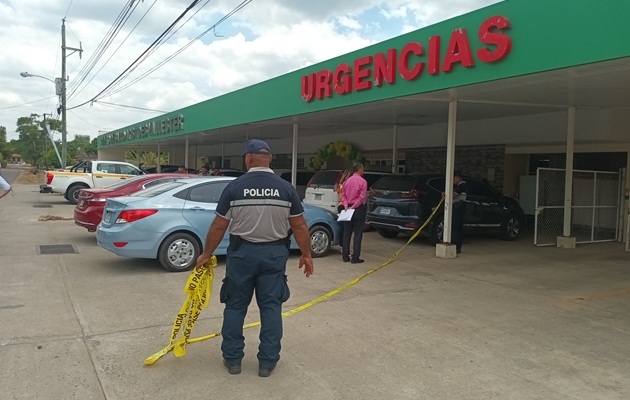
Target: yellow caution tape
pixel 180 346
pixel 198 288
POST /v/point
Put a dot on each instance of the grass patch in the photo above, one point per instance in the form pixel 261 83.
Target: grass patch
pixel 29 178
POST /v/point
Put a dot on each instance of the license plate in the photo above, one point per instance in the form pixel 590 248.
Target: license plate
pixel 386 210
pixel 107 218
pixel 318 197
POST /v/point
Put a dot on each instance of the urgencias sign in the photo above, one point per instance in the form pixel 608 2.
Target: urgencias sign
pixel 410 62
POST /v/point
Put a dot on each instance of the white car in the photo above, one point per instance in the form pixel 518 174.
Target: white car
pixel 87 175
pixel 322 189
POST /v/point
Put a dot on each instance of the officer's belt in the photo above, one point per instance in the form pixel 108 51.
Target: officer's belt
pixel 237 241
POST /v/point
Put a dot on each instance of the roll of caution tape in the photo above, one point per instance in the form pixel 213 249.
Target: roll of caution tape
pixel 199 287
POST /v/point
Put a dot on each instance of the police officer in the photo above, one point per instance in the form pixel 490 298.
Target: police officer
pixel 459 202
pixel 258 204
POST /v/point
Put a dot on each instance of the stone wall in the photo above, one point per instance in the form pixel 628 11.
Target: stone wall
pixel 480 162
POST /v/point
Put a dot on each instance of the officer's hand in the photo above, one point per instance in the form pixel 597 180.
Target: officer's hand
pixel 203 259
pixel 307 263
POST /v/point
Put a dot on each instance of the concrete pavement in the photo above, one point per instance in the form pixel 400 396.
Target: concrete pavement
pixel 502 321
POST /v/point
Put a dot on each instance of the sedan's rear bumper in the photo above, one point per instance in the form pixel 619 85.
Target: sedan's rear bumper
pixel 137 244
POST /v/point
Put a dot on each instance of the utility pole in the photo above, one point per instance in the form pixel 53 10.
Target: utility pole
pixel 64 79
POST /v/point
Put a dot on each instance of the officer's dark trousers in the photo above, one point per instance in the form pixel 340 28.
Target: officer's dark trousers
pixel 355 226
pixel 259 267
pixel 457 233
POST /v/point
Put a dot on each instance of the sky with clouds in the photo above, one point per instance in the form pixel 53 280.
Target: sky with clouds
pixel 265 39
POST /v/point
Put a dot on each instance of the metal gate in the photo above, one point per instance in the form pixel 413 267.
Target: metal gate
pixel 595 210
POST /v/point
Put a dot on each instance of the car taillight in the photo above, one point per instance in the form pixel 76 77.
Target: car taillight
pixel 133 215
pixel 414 194
pixel 49 178
pixel 338 182
pixel 96 200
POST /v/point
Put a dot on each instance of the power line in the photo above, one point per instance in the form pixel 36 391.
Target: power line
pixel 68 10
pixel 115 51
pixel 89 123
pixel 158 46
pixel 130 107
pixel 155 68
pixel 181 16
pixel 95 57
pixel 25 104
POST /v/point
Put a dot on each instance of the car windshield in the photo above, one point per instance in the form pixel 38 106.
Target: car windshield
pixel 124 182
pixel 158 189
pixel 396 183
pixel 324 179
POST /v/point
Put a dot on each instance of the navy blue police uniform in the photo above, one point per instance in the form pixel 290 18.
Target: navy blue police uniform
pixel 259 205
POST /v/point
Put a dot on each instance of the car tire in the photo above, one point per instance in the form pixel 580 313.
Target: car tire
pixel 387 233
pixel 437 230
pixel 72 194
pixel 512 227
pixel 179 252
pixel 321 240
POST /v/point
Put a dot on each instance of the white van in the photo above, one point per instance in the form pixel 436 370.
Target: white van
pixel 322 189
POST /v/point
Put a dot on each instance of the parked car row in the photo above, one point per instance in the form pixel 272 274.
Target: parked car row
pixel 167 217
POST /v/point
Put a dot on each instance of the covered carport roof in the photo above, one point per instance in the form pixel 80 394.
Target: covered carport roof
pixel 561 56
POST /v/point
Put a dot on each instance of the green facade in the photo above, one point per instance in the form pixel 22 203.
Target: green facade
pixel 546 35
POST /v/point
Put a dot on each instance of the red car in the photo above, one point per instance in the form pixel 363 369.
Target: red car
pixel 89 211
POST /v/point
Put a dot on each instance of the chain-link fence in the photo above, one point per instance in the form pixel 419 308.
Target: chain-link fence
pixel 549 206
pixel 594 209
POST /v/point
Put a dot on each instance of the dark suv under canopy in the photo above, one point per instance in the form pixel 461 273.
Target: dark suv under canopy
pixel 401 203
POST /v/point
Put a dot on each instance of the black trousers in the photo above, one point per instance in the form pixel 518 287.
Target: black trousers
pixel 355 226
pixel 457 232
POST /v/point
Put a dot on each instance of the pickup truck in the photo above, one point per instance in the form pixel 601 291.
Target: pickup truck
pixel 87 175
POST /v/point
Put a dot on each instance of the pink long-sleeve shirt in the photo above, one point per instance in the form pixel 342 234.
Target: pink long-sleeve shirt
pixel 354 191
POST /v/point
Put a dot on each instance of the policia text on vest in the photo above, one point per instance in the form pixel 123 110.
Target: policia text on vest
pixel 256 207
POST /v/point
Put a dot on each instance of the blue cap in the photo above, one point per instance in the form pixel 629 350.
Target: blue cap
pixel 257 146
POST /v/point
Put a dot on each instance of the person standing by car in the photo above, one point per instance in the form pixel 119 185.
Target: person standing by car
pixel 346 174
pixel 204 171
pixel 5 188
pixel 354 197
pixel 216 172
pixel 459 202
pixel 182 170
pixel 258 204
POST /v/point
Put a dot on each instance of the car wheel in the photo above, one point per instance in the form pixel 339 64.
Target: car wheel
pixel 387 233
pixel 511 227
pixel 321 240
pixel 72 195
pixel 437 231
pixel 179 252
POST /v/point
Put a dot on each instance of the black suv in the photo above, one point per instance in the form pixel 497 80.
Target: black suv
pixel 401 203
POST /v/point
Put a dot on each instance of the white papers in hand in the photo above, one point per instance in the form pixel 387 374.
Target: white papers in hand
pixel 346 215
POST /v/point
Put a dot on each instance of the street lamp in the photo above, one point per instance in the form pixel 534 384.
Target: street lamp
pixel 59 91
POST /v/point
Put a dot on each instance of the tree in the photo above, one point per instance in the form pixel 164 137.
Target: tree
pixel 33 142
pixel 4 146
pixel 147 158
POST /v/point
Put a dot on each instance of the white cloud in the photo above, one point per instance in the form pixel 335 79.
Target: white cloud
pixel 400 12
pixel 349 23
pixel 266 39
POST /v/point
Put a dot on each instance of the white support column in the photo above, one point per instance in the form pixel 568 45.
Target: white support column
pixel 294 156
pixel 159 159
pixel 446 249
pixel 395 151
pixel 186 153
pixel 566 241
